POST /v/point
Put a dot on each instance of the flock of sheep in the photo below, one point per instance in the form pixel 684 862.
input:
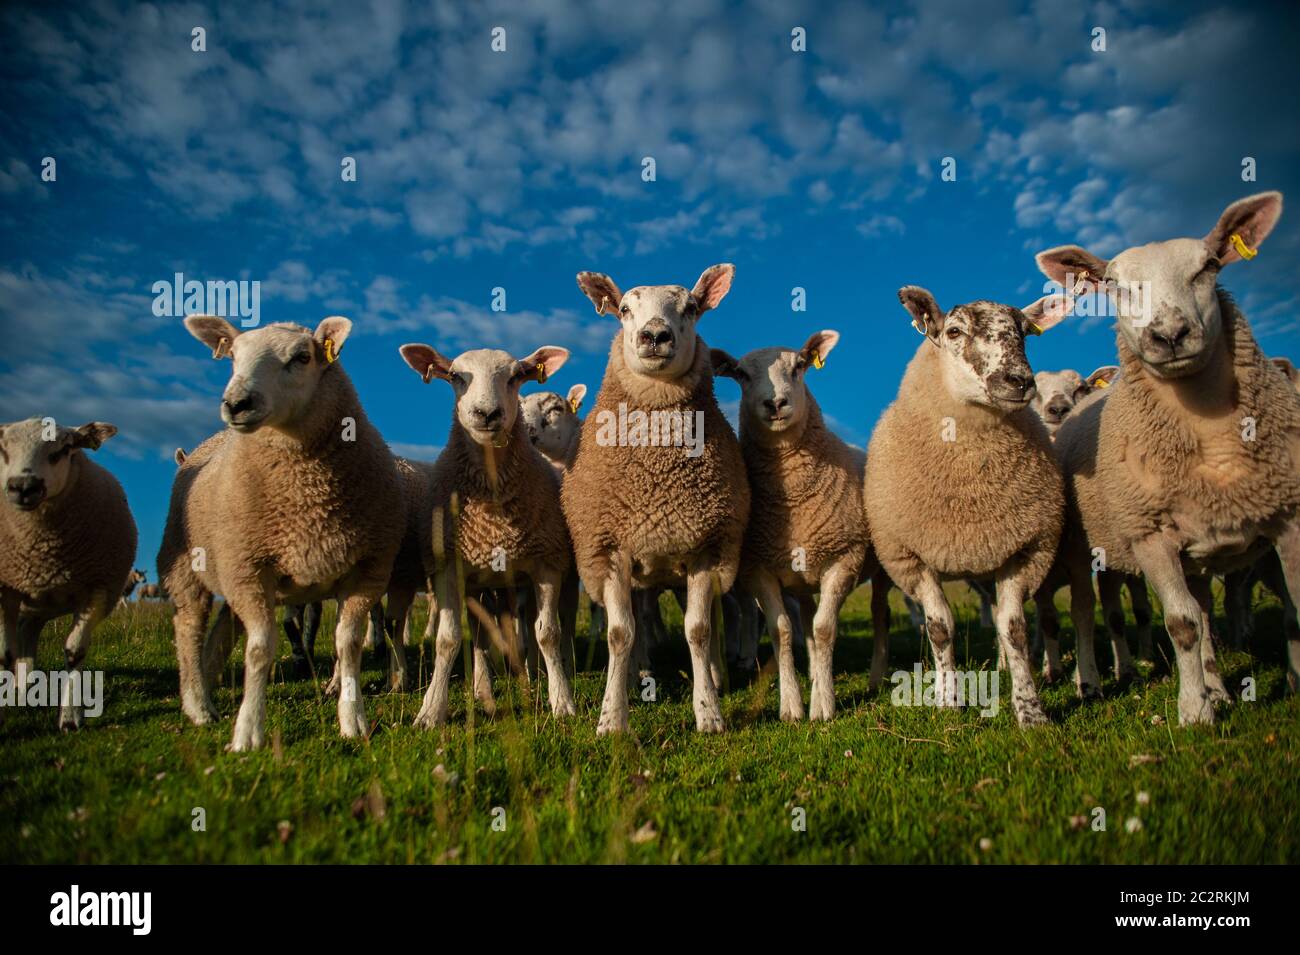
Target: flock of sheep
pixel 1181 462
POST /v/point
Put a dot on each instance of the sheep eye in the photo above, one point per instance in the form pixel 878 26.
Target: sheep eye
pixel 57 455
pixel 301 358
pixel 953 333
pixel 624 310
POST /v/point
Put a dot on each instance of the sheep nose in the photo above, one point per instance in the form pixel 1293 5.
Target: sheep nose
pixel 1172 334
pixel 1058 408
pixel 487 419
pixel 1018 380
pixel 26 490
pixel 655 334
pixel 775 405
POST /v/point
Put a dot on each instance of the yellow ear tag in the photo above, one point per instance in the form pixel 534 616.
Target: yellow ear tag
pixel 541 373
pixel 1035 328
pixel 1243 250
pixel 331 356
pixel 573 405
pixel 818 362
pixel 1101 383
pixel 222 349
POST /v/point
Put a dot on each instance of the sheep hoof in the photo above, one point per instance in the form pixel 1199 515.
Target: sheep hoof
pixel 1197 711
pixel 611 723
pixel 1219 695
pixel 1125 676
pixel 1051 676
pixel 245 740
pixel 70 720
pixel 708 723
pixel 428 719
pixel 1089 691
pixel 201 713
pixel 1031 715
pixel 398 684
pixel 563 707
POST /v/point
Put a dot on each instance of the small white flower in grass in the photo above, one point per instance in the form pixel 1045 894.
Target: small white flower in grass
pixel 986 844
pixel 160 777
pixel 1144 798
pixel 1133 824
pixel 209 771
pixel 25 832
pixel 1157 720
pixel 1078 822
pixel 848 754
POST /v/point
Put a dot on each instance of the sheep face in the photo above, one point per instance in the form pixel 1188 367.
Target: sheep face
pixel 773 391
pixel 277 368
pixel 486 383
pixel 36 458
pixel 1058 392
pixel 552 420
pixel 981 347
pixel 658 320
pixel 1165 293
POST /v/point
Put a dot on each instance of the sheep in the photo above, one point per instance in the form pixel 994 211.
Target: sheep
pixel 553 424
pixel 292 503
pixel 644 514
pixel 509 518
pixel 807 531
pixel 67 540
pixel 133 580
pixel 960 478
pixel 1188 466
pixel 1058 394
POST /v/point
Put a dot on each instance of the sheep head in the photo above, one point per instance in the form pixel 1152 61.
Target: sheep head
pixel 1057 392
pixel 552 420
pixel 658 320
pixel 982 345
pixel 1166 293
pixel 277 368
pixel 773 390
pixel 486 383
pixel 36 457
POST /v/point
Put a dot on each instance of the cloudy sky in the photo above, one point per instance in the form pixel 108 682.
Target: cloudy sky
pixel 478 169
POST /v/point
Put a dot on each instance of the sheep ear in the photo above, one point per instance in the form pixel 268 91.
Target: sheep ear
pixel 1103 376
pixel 331 333
pixel 713 285
pixel 927 317
pixel 1072 268
pixel 575 396
pixel 1048 312
pixel 818 346
pixel 1244 226
pixel 724 364
pixel 1288 369
pixel 602 291
pixel 179 456
pixel 543 363
pixel 426 361
pixel 91 435
pixel 215 332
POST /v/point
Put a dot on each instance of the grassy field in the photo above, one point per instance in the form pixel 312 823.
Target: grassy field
pixel 879 784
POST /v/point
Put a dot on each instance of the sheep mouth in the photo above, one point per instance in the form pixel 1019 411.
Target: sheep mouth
pixel 245 422
pixel 494 435
pixel 1175 366
pixel 1011 400
pixel 778 422
pixel 26 501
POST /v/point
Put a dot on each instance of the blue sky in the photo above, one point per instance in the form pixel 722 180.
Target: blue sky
pixel 479 169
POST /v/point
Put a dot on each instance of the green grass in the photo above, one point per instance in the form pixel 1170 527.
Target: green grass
pixel 879 784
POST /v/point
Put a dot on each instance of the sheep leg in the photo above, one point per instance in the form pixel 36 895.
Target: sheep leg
pixel 1048 625
pixel 837 583
pixel 1141 601
pixel 781 629
pixel 74 653
pixel 1163 568
pixel 218 644
pixel 1109 583
pixel 1288 552
pixel 699 637
pixel 1013 638
pixel 433 711
pixel 10 603
pixel 482 677
pixel 750 628
pixel 621 634
pixel 1201 589
pixel 569 623
pixel 940 629
pixel 547 584
pixel 349 640
pixel 808 610
pixel 189 623
pixel 1237 587
pixel 30 626
pixel 527 633
pixel 258 615
pixel 1083 603
pixel 396 620
pixel 880 585
pixel 645 604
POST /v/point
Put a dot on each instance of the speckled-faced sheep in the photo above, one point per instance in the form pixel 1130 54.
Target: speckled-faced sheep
pixel 553 424
pixel 510 524
pixel 807 533
pixel 292 503
pixel 961 481
pixel 657 495
pixel 1191 463
pixel 67 540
